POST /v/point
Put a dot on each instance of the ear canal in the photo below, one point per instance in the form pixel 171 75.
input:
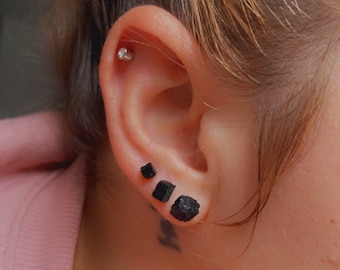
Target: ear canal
pixel 174 123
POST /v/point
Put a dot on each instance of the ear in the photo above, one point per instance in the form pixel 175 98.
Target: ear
pixel 155 107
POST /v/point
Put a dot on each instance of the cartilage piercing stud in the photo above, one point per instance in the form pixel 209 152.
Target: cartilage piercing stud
pixel 125 54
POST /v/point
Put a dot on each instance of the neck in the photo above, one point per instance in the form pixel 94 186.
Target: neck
pixel 120 230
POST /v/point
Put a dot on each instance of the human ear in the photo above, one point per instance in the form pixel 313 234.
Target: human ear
pixel 156 111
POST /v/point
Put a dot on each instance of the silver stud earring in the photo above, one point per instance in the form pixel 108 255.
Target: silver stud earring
pixel 125 54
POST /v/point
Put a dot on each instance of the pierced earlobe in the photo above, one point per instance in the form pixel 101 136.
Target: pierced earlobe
pixel 163 191
pixel 148 171
pixel 125 54
pixel 185 208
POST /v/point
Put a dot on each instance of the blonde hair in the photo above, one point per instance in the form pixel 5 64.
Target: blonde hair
pixel 274 50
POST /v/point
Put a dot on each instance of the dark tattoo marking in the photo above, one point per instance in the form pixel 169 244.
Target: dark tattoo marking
pixel 169 236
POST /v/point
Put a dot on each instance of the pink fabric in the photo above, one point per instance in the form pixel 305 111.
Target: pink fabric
pixel 41 198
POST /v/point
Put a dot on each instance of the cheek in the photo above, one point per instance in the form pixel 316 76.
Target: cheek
pixel 232 141
pixel 300 225
pixel 237 167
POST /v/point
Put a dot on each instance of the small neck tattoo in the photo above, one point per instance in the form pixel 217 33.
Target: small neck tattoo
pixel 168 237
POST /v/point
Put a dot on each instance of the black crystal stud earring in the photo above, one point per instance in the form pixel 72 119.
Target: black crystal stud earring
pixel 163 191
pixel 148 171
pixel 185 208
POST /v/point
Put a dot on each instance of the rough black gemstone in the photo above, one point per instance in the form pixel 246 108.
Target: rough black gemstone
pixel 185 208
pixel 148 171
pixel 163 191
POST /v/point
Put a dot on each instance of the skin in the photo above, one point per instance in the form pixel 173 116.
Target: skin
pixel 124 227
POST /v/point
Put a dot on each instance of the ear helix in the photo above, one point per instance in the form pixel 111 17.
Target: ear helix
pixel 184 209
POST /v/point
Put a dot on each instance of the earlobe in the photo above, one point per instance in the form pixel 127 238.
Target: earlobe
pixel 153 113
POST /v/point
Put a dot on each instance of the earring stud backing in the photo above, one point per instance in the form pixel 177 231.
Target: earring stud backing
pixel 125 54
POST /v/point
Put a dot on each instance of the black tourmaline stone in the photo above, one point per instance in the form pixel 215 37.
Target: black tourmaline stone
pixel 148 171
pixel 185 208
pixel 163 191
